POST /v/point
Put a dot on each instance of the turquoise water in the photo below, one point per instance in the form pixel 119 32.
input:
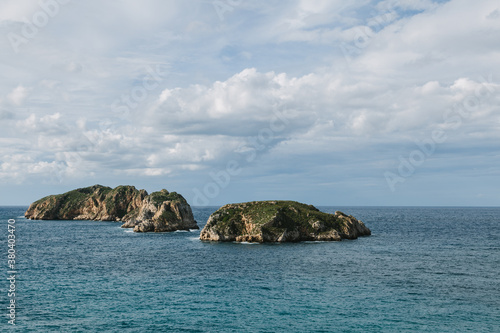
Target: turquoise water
pixel 422 270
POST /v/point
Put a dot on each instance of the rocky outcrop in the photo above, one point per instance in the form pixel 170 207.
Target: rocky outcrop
pixel 159 211
pixel 279 221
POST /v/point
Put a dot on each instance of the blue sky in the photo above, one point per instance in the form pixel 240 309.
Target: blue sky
pixel 324 102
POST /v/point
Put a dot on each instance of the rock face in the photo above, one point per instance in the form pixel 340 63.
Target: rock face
pixel 279 221
pixel 159 211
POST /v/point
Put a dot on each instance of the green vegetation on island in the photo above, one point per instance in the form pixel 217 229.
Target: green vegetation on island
pixel 279 221
pixel 159 211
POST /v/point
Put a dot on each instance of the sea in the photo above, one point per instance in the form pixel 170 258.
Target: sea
pixel 423 269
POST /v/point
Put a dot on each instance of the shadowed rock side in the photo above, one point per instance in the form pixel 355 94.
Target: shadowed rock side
pixel 157 212
pixel 279 221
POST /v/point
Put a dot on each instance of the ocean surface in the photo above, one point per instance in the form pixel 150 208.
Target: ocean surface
pixel 424 269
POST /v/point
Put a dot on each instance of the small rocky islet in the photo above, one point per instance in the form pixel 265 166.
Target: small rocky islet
pixel 164 211
pixel 160 211
pixel 279 221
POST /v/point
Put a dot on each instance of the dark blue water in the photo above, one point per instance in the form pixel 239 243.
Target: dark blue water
pixel 423 269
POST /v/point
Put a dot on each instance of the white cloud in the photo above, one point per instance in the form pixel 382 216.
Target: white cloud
pixel 407 4
pixel 13 10
pixel 269 79
pixel 248 101
pixel 18 95
pixel 449 39
pixel 241 105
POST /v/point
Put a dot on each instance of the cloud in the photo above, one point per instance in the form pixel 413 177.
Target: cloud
pixel 266 113
pixel 248 101
pixel 12 10
pixel 314 89
pixel 418 5
pixel 423 42
pixel 18 95
pixel 240 105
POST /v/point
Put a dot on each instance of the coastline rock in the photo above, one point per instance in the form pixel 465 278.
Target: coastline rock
pixel 162 210
pixel 279 221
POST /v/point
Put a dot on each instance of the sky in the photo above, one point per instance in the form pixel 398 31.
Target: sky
pixel 326 102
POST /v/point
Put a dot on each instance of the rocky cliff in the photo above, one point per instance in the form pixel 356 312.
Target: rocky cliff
pixel 279 221
pixel 159 211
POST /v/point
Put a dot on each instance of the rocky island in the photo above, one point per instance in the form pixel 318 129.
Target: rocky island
pixel 279 221
pixel 157 212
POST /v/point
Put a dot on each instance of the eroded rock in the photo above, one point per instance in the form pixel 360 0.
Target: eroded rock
pixel 157 212
pixel 279 221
